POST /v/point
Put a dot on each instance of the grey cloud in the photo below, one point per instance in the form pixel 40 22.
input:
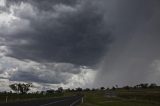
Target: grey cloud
pixel 43 5
pixel 81 33
pixel 2 9
pixel 30 71
pixel 136 44
pixel 126 15
pixel 39 77
pixel 45 2
pixel 80 37
pixel 61 73
pixel 57 74
pixel 48 4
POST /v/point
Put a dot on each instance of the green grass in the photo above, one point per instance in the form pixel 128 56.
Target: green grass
pixel 132 97
pixel 143 97
pixel 25 97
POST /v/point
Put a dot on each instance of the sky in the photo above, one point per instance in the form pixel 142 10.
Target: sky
pixel 79 43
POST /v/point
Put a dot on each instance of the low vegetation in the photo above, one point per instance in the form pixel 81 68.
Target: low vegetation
pixel 139 95
pixel 123 97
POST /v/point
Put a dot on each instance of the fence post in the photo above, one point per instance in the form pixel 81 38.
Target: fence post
pixel 82 100
pixel 6 99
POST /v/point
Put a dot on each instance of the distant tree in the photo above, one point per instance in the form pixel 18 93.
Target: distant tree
pixel 10 92
pixel 50 91
pixel 68 90
pixel 93 89
pixel 108 88
pixel 24 88
pixel 126 87
pixel 14 87
pixel 72 90
pixel 60 89
pixel 113 88
pixel 87 89
pixel 20 88
pixel 135 87
pixel 145 85
pixel 102 88
pixel 43 92
pixel 79 89
pixel 153 85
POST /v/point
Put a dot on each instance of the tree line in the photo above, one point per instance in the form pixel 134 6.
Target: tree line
pixel 23 88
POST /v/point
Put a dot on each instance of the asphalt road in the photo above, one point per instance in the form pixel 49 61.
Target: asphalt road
pixel 66 101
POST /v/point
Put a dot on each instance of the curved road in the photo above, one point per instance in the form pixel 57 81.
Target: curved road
pixel 65 101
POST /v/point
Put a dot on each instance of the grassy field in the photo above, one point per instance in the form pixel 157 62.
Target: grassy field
pixel 131 97
pixel 25 97
pixel 141 97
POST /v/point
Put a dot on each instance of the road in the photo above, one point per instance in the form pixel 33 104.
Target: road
pixel 65 101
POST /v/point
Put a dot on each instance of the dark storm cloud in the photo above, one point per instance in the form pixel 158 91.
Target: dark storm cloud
pixel 48 2
pixel 40 77
pixel 29 71
pixel 46 5
pixel 78 35
pixel 80 32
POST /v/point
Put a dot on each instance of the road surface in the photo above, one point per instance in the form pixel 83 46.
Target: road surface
pixel 65 101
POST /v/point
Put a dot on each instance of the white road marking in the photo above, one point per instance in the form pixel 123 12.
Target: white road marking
pixel 73 103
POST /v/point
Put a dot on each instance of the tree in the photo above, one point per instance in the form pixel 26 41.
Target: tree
pixel 93 89
pixel 87 89
pixel 108 88
pixel 79 89
pixel 102 88
pixel 152 85
pixel 68 90
pixel 113 88
pixel 145 85
pixel 126 87
pixel 51 91
pixel 21 88
pixel 14 87
pixel 60 90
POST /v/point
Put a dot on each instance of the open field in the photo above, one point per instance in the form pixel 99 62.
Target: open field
pixel 27 97
pixel 121 97
pixel 62 101
pixel 140 97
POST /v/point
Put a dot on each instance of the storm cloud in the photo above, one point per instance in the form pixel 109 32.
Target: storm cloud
pixel 54 42
pixel 80 43
pixel 53 74
pixel 68 32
